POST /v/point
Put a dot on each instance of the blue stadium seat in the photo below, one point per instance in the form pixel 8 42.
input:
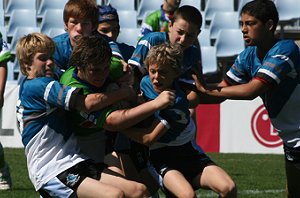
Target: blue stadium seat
pixel 50 4
pixel 19 4
pixel 122 4
pixel 21 18
pixel 2 23
pixel 3 32
pixel 213 6
pixel 52 18
pixel 196 4
pixel 222 20
pixel 229 43
pixel 289 13
pixel 127 19
pixel 146 5
pixel 129 36
pixel 204 38
pixel 18 33
pixel 209 59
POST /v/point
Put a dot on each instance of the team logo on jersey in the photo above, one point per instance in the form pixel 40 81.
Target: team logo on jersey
pixel 263 130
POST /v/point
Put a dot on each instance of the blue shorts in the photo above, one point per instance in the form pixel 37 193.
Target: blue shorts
pixel 66 183
pixel 185 158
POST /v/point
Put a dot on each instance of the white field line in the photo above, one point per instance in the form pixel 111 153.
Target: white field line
pixel 244 192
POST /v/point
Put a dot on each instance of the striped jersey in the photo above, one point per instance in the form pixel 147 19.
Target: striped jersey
pixel 50 146
pixel 280 69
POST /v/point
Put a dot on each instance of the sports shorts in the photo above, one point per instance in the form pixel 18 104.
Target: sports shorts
pixel 292 155
pixel 66 183
pixel 185 158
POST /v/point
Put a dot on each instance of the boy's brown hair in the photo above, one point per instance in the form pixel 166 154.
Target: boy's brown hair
pixel 166 54
pixel 31 44
pixel 81 9
pixel 90 50
pixel 189 14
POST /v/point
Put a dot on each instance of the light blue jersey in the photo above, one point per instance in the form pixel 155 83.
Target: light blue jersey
pixel 191 56
pixel 279 69
pixel 50 146
pixel 178 115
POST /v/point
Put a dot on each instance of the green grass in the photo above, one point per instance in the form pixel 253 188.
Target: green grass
pixel 256 175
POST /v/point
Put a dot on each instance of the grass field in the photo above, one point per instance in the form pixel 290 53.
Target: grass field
pixel 256 175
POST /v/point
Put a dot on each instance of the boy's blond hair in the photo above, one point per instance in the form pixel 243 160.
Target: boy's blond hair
pixel 31 44
pixel 166 54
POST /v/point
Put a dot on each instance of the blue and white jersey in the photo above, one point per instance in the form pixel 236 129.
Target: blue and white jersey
pixel 279 69
pixel 178 116
pixel 64 49
pixel 50 146
pixel 191 56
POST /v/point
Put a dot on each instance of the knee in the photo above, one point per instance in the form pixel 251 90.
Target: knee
pixel 140 190
pixel 229 190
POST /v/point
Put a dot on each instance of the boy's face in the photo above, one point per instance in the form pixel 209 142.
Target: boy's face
pixel 162 77
pixel 94 74
pixel 110 29
pixel 183 33
pixel 254 31
pixel 42 65
pixel 76 27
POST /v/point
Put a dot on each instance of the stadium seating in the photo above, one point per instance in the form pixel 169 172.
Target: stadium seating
pixel 209 59
pixel 127 19
pixel 2 23
pixel 122 4
pixel 241 3
pixel 213 6
pixel 3 32
pixel 222 20
pixel 204 38
pixel 21 18
pixel 50 4
pixel 52 18
pixel 196 4
pixel 19 4
pixel 289 13
pixel 146 5
pixel 129 36
pixel 229 43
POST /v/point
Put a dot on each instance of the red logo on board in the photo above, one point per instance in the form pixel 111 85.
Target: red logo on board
pixel 263 130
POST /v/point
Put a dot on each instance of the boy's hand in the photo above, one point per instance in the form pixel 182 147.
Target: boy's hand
pixel 165 99
pixel 128 77
pixel 199 81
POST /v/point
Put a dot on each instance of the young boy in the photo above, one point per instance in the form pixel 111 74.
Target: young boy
pixel 158 21
pixel 5 56
pixel 183 29
pixel 55 165
pixel 80 19
pixel 269 68
pixel 108 24
pixel 182 166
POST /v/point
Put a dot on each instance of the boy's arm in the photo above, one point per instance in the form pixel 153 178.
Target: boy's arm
pixel 147 135
pixel 97 101
pixel 125 118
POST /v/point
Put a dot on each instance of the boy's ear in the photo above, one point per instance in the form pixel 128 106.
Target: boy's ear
pixel 65 27
pixel 270 24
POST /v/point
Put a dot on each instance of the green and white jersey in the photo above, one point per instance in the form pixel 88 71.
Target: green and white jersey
pixel 5 54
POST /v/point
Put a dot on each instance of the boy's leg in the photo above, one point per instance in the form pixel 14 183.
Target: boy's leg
pixel 215 178
pixel 176 183
pixel 5 179
pixel 130 188
pixel 292 168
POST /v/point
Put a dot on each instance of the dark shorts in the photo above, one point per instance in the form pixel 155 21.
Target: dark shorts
pixel 185 158
pixel 66 183
pixel 292 155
